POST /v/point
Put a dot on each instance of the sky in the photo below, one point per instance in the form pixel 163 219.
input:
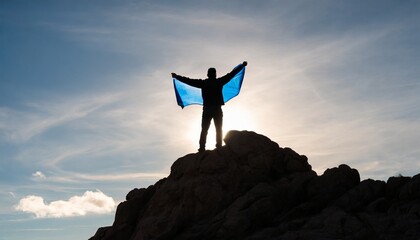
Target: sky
pixel 88 111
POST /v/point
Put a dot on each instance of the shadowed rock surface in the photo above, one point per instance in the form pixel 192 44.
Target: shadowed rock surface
pixel 253 189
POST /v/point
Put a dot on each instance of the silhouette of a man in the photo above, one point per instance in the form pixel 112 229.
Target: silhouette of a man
pixel 211 91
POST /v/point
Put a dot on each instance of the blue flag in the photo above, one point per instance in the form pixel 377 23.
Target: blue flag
pixel 188 95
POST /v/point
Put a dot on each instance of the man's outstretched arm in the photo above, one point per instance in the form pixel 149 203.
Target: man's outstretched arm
pixel 225 79
pixel 192 82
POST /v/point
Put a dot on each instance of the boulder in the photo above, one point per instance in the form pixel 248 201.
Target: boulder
pixel 252 188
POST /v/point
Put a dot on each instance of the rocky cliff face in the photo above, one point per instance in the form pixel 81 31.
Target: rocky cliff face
pixel 253 189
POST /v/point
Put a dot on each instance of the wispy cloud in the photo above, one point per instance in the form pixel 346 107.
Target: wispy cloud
pixel 111 177
pixel 110 128
pixel 12 194
pixel 91 202
pixel 21 125
pixel 39 229
pixel 39 175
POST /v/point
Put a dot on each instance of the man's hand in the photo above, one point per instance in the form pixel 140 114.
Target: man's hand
pixel 244 63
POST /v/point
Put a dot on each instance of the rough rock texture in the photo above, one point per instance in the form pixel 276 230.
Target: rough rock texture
pixel 253 189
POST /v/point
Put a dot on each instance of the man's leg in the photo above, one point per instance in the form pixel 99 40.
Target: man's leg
pixel 218 123
pixel 205 124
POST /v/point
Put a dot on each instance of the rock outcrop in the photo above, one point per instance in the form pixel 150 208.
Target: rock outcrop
pixel 253 189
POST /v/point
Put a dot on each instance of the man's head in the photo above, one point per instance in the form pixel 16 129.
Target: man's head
pixel 211 73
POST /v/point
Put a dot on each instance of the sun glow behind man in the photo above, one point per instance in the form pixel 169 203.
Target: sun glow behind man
pixel 212 93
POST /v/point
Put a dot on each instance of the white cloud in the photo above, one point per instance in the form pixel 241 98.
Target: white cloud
pixel 89 203
pixel 39 175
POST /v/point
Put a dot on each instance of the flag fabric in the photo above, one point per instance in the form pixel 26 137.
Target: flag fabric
pixel 188 95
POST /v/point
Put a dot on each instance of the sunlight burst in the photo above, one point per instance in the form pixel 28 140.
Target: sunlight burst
pixel 233 119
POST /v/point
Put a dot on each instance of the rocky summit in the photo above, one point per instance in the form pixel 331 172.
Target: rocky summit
pixel 253 189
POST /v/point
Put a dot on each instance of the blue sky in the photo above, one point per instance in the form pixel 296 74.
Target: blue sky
pixel 88 112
